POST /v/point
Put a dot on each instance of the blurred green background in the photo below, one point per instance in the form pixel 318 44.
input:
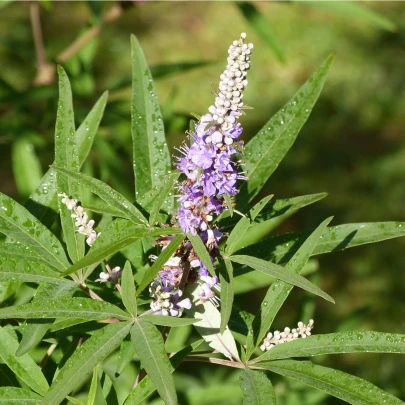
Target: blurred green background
pixel 352 146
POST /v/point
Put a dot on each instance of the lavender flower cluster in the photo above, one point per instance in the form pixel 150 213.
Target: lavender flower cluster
pixel 212 170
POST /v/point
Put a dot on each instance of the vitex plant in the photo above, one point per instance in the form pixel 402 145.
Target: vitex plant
pixel 195 213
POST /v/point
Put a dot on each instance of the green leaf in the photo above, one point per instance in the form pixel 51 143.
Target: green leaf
pixel 142 391
pixel 128 290
pixel 202 252
pixel 75 401
pixel 333 343
pixel 126 354
pixel 281 248
pixel 105 192
pixel 279 291
pixel 34 331
pixel 267 148
pixel 93 387
pixel 347 387
pixel 118 234
pixel 104 209
pixel 150 151
pixel 43 201
pixel 256 388
pixel 209 324
pixel 262 26
pixel 280 273
pixel 18 269
pixel 163 320
pixel 355 12
pixel 84 359
pixel 229 203
pixel 66 156
pixel 227 292
pixel 17 223
pixel 84 308
pixel 259 207
pixel 109 392
pixel 87 131
pixel 23 367
pixel 19 251
pixel 14 395
pixel 26 166
pixel 162 196
pixel 149 347
pixel 164 256
pixel 236 235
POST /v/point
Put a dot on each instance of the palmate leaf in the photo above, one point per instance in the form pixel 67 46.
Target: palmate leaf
pixel 146 388
pixel 23 366
pixel 43 200
pixel 256 388
pixel 17 223
pixel 113 198
pixel 279 291
pixel 280 273
pixel 347 387
pixel 118 234
pixel 279 249
pixel 84 308
pixel 149 347
pixel 209 325
pixel 333 343
pixel 66 156
pixel 84 359
pixel 267 148
pixel 14 395
pixel 151 157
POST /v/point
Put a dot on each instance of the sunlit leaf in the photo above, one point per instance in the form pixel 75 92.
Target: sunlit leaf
pixel 347 387
pixel 267 148
pixel 113 198
pixel 341 342
pixel 142 391
pixel 163 320
pixel 279 291
pixel 280 248
pixel 84 308
pixel 84 359
pixel 14 395
pixel 17 223
pixel 149 347
pixel 23 367
pixel 150 152
pixel 128 289
pixel 280 273
pixel 256 388
pixel 66 156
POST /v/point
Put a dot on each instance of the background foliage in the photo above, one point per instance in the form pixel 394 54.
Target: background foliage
pixel 351 147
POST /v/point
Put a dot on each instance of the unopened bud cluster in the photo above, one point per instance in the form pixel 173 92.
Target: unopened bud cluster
pixel 85 227
pixel 228 102
pixel 287 335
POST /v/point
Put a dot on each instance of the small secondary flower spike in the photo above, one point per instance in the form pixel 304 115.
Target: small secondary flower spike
pixel 211 166
pixel 287 335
